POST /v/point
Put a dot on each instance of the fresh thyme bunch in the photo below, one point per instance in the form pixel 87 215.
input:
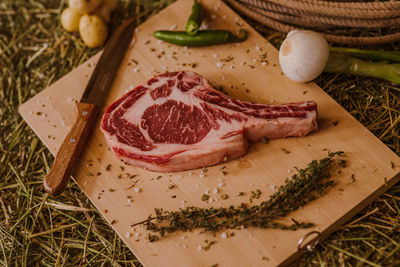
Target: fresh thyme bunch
pixel 301 188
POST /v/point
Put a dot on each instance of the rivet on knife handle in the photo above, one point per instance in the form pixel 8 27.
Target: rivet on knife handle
pixel 57 179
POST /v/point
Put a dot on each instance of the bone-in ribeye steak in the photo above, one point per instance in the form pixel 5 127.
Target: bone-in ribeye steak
pixel 177 121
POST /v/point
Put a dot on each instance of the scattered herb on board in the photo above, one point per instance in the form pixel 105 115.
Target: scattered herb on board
pixel 152 238
pixel 342 163
pixel 171 186
pixel 303 187
pixel 284 150
pixel 255 195
pixel 224 196
pixel 208 244
pixel 205 197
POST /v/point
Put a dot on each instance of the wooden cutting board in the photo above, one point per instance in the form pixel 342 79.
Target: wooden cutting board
pixel 238 68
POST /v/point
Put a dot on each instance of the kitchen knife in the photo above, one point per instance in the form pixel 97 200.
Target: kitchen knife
pixel 91 102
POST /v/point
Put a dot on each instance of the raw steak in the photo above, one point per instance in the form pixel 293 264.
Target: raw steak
pixel 177 121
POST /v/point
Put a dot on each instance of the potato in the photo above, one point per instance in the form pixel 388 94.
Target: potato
pixel 70 20
pixel 104 10
pixel 93 30
pixel 84 6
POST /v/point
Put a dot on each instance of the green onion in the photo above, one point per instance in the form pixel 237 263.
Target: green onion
pixel 368 54
pixel 339 63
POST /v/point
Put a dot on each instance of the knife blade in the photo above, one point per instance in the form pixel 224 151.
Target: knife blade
pixel 91 102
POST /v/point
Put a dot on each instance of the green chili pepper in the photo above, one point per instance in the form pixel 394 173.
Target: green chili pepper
pixel 194 21
pixel 202 38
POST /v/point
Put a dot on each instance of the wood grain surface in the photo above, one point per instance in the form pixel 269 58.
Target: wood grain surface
pixel 247 71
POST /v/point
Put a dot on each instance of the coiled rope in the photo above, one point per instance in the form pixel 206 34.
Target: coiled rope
pixel 286 15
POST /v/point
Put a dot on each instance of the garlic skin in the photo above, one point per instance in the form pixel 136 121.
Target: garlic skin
pixel 303 55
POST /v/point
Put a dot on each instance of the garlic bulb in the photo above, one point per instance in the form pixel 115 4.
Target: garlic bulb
pixel 303 55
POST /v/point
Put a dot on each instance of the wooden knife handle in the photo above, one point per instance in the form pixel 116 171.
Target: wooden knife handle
pixel 57 179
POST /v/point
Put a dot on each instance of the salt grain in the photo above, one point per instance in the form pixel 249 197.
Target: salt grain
pixel 137 30
pixel 160 41
pixel 128 234
pixel 215 55
pixel 224 235
pixel 215 190
pixel 272 186
pixel 221 184
pixel 179 176
pixel 201 175
pixel 137 234
pixel 184 246
pixel 173 27
pixel 258 48
pixel 137 189
pixel 69 99
pixel 206 191
pixel 263 63
pixel 129 200
pixel 224 17
pixel 183 237
pixel 136 69
pixel 131 87
pixel 242 63
pixel 199 248
pixel 220 64
pixel 254 60
pixel 190 173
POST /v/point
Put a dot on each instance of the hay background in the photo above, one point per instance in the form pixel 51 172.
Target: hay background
pixel 37 230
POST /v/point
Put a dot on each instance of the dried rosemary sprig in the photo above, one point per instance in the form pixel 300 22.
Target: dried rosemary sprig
pixel 297 191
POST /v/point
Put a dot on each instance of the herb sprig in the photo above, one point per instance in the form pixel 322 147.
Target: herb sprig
pixel 303 187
